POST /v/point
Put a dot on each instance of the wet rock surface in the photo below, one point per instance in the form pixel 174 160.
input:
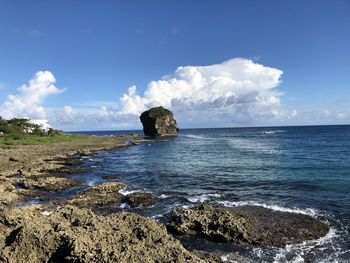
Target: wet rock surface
pixel 99 196
pixel 108 194
pixel 49 184
pixel 73 234
pixel 35 171
pixel 247 225
pixel 158 121
pixel 8 193
pixel 140 199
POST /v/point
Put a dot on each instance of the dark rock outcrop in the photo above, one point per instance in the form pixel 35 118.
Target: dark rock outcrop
pixel 8 193
pixel 158 121
pixel 108 195
pixel 140 199
pixel 99 196
pixel 247 225
pixel 49 184
pixel 73 234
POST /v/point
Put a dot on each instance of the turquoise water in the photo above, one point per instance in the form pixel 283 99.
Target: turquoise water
pixel 296 169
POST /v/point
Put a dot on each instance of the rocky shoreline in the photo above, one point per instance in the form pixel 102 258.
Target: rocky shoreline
pixel 28 169
pixel 80 230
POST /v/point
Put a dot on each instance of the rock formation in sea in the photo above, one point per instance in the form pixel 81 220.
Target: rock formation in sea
pixel 252 225
pixel 158 121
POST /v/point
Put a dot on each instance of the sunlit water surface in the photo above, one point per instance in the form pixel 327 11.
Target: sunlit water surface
pixel 295 169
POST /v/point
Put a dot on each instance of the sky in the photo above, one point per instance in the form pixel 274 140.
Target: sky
pixel 96 65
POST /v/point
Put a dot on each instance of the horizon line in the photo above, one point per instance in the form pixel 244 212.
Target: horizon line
pixel 208 128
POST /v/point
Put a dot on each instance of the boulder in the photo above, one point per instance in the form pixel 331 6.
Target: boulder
pixel 140 199
pixel 247 225
pixel 106 194
pixel 8 193
pixel 72 234
pixel 49 184
pixel 108 197
pixel 158 121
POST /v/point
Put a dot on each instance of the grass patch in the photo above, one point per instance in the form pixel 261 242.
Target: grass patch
pixel 24 132
pixel 9 141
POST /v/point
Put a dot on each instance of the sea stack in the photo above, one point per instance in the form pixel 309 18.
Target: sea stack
pixel 158 121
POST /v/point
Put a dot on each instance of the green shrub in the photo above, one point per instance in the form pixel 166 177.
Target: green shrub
pixel 52 132
pixel 158 112
pixel 4 127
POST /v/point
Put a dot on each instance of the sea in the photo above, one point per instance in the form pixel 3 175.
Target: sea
pixel 293 169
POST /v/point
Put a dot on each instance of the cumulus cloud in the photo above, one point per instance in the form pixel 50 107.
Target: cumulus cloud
pixel 28 101
pixel 237 90
pixel 323 115
pixel 67 115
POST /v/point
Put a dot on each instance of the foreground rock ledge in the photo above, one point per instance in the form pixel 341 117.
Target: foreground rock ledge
pixel 35 170
pixel 74 234
pixel 247 225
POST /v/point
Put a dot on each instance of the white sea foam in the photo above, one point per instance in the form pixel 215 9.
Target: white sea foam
pixel 258 252
pixel 224 258
pixel 201 198
pixel 176 205
pixel 158 217
pixel 306 211
pixel 296 252
pixel 273 131
pixel 196 137
pixel 251 145
pixel 91 182
pixel 127 191
pixel 163 196
pixel 124 206
pixel 234 258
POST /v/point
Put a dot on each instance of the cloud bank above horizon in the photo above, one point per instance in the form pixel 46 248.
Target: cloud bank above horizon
pixel 28 101
pixel 236 92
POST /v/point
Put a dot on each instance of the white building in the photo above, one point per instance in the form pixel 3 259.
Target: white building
pixel 44 124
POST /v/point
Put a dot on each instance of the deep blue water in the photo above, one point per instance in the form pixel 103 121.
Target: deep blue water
pixel 297 169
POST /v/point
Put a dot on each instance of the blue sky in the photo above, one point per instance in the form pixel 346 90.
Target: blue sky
pixel 91 52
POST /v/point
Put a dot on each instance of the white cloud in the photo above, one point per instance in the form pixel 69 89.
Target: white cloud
pixel 235 91
pixel 28 101
pixel 67 115
pixel 323 115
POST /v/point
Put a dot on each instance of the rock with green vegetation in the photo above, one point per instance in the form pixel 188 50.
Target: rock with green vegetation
pixel 158 121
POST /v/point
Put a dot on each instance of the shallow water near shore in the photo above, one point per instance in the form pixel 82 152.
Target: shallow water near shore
pixel 293 169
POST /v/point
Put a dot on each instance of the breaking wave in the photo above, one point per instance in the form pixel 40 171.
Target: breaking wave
pixel 306 211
